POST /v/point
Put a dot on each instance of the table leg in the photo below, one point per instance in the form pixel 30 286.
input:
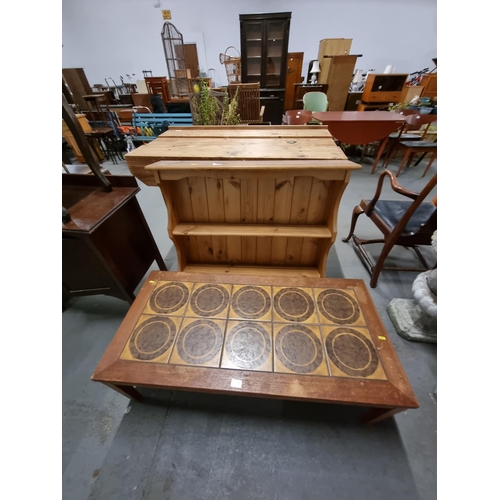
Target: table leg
pixel 377 414
pixel 381 149
pixel 126 390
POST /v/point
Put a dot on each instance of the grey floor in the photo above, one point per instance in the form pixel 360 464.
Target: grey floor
pixel 195 446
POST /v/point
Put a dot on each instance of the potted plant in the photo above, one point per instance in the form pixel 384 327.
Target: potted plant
pixel 213 108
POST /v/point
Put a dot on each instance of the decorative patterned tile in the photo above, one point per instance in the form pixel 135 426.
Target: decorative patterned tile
pixel 199 342
pixel 169 297
pixel 338 307
pixel 294 305
pixel 251 302
pixel 298 349
pixel 151 339
pixel 352 353
pixel 209 300
pixel 248 346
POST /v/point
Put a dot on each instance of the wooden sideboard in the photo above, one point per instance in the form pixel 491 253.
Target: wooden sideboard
pixel 107 246
pixel 245 199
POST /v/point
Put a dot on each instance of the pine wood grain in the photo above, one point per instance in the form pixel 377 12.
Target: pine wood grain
pixel 271 132
pixel 199 205
pixel 215 198
pixel 232 214
pixel 225 183
pixel 260 230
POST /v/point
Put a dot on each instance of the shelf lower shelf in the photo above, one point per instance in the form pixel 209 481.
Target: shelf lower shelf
pixel 305 272
pixel 259 230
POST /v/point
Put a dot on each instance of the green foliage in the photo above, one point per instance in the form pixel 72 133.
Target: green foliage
pixel 399 107
pixel 230 114
pixel 207 109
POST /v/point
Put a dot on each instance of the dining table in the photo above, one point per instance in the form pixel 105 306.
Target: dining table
pixel 362 127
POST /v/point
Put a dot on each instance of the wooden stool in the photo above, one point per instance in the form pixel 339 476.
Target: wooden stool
pixel 109 144
pixel 96 102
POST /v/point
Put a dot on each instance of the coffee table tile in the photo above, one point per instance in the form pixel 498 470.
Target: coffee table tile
pixel 152 339
pixel 338 307
pixel 352 353
pixel 169 298
pixel 199 342
pixel 298 349
pixel 209 300
pixel 251 303
pixel 248 346
pixel 294 305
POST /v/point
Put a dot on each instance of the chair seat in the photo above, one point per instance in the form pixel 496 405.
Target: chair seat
pixel 100 131
pixel 391 211
pixel 406 137
pixel 419 144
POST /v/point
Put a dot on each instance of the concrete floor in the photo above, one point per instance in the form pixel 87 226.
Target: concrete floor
pixel 199 446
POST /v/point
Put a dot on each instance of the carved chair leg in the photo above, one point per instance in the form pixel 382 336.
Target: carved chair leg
pixel 380 263
pixel 355 214
pixel 431 161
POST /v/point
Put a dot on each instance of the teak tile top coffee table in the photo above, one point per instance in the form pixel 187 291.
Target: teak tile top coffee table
pixel 299 338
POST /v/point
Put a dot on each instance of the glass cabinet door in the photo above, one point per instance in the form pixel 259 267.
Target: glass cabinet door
pixel 254 42
pixel 275 34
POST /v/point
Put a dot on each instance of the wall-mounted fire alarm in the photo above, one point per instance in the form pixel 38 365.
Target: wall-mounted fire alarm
pixel 166 14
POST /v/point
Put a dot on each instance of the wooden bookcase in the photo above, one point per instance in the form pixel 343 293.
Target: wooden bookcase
pixel 264 54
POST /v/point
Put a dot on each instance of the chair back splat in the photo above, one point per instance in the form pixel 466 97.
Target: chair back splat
pixel 249 107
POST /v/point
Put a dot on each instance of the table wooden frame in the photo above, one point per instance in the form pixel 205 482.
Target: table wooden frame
pixel 384 397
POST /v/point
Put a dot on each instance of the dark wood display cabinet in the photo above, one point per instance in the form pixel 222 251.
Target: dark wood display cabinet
pixel 264 52
pixel 107 246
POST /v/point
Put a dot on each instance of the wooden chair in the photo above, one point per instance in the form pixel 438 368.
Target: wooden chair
pixel 315 101
pixel 158 85
pixel 412 144
pixel 389 147
pixel 405 223
pixel 249 107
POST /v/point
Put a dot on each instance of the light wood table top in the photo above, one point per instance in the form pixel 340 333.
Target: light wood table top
pixel 236 143
pixel 244 131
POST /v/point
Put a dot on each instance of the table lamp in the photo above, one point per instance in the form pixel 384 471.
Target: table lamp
pixel 314 71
